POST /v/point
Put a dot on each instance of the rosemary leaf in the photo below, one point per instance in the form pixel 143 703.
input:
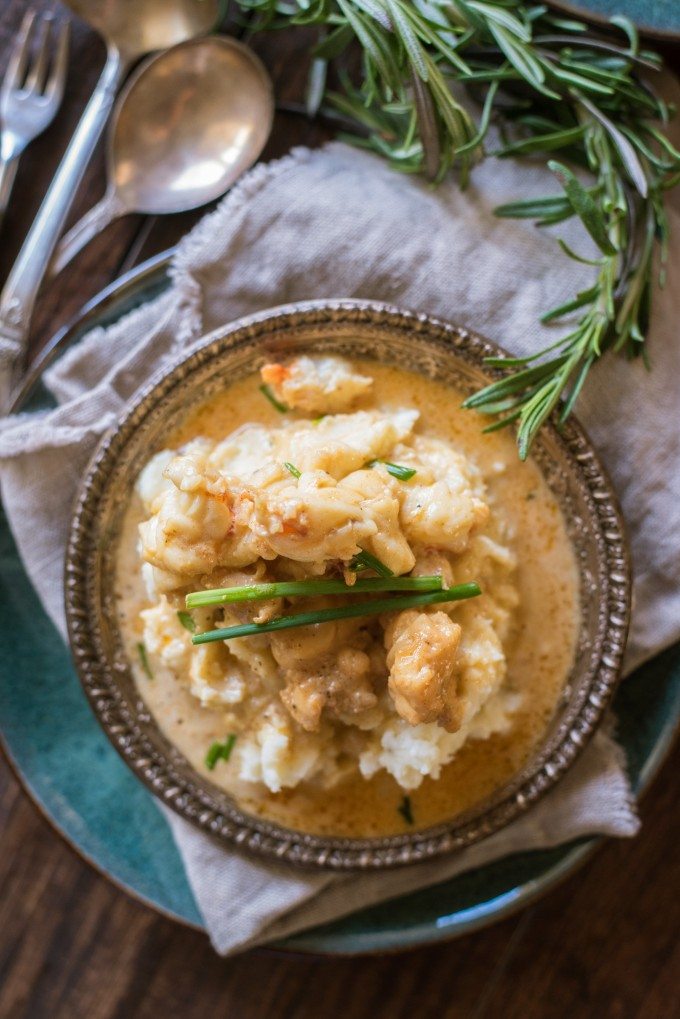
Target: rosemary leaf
pixel 583 204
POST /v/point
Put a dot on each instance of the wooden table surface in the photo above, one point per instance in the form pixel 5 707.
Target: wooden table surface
pixel 604 944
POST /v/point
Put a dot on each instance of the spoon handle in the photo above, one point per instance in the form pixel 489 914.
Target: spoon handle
pixel 20 291
pixel 88 226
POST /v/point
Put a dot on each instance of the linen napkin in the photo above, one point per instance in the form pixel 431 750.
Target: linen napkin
pixel 339 222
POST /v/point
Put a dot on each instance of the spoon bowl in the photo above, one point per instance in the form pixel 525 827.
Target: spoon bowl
pixel 187 125
pixel 135 27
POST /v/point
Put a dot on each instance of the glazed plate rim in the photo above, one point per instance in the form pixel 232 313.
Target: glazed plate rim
pixel 580 9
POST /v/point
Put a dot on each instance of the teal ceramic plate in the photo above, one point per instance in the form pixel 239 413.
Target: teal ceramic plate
pixel 77 779
pixel 657 18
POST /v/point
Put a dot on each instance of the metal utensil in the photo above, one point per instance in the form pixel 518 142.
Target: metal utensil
pixel 31 92
pixel 130 28
pixel 186 126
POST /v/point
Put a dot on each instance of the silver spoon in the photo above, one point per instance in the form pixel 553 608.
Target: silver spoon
pixel 130 29
pixel 185 128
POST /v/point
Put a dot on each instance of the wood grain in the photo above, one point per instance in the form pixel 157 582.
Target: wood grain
pixel 72 946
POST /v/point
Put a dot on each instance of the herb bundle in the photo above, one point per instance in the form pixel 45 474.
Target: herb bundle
pixel 556 87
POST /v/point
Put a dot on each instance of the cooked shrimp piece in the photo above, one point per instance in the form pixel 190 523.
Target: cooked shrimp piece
pixel 441 514
pixel 444 503
pixel 422 659
pixel 432 563
pixel 244 451
pixel 216 676
pixel 379 495
pixel 306 646
pixel 342 687
pixel 165 638
pixel 199 523
pixel 341 443
pixel 319 385
pixel 304 697
pixel 311 520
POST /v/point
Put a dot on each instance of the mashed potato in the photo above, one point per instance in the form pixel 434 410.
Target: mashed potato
pixel 301 498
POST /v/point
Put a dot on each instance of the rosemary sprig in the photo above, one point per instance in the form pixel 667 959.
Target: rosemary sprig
pixel 555 86
pixel 301 588
pixel 366 608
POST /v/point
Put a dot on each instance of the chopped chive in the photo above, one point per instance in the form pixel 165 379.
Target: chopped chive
pixel 293 470
pixel 220 751
pixel 315 421
pixel 187 621
pixel 300 588
pixel 141 651
pixel 366 608
pixel 365 561
pixel 266 391
pixel 396 470
pixel 405 810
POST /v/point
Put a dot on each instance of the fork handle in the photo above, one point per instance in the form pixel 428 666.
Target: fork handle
pixel 21 289
pixel 8 171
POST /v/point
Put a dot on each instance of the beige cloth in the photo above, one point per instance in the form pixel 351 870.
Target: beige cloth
pixel 337 223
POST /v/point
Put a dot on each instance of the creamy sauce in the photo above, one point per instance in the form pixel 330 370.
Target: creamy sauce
pixel 539 652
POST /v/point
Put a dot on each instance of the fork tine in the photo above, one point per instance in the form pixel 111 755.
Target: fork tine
pixel 36 73
pixel 54 86
pixel 19 58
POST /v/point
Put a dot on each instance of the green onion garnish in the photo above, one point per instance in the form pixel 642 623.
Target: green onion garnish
pixel 220 751
pixel 365 561
pixel 141 651
pixel 293 470
pixel 405 809
pixel 366 608
pixel 300 588
pixel 396 470
pixel 187 621
pixel 266 391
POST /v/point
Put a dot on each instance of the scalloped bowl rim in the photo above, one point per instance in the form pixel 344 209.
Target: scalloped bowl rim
pixel 208 807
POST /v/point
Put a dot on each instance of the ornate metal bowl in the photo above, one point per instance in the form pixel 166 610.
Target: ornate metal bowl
pixel 415 342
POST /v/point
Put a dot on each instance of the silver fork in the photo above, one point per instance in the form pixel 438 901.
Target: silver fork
pixel 31 92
